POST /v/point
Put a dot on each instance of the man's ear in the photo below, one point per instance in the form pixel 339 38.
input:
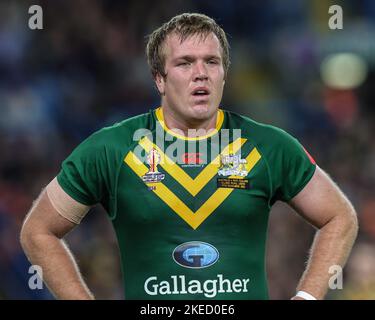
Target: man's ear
pixel 160 83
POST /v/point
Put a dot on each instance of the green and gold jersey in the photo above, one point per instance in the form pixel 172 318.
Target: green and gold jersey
pixel 190 214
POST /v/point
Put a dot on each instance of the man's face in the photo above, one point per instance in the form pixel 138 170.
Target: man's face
pixel 194 82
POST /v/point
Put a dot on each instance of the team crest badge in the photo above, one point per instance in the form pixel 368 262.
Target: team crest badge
pixel 153 175
pixel 232 165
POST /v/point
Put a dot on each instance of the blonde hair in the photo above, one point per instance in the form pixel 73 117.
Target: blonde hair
pixel 184 25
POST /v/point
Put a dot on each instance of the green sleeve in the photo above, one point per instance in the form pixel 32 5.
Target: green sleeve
pixel 291 167
pixel 84 175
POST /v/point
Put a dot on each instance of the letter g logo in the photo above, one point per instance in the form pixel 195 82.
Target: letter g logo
pixel 195 254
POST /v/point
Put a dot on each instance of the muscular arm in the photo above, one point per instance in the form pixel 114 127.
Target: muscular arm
pixel 326 207
pixel 41 239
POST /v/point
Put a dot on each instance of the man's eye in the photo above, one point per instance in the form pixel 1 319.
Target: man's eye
pixel 183 64
pixel 212 62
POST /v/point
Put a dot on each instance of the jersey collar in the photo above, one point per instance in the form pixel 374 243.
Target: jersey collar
pixel 219 122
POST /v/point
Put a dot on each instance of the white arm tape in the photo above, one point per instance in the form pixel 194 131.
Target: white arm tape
pixel 64 204
pixel 305 295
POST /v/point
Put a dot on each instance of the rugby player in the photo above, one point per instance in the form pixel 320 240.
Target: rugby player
pixel 188 188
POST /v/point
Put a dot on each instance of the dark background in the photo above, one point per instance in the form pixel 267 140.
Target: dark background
pixel 87 69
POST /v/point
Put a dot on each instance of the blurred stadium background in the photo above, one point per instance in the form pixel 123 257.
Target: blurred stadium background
pixel 87 69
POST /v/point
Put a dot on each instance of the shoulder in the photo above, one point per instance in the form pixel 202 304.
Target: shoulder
pixel 121 133
pixel 259 133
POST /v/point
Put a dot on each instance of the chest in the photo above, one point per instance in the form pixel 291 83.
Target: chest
pixel 232 185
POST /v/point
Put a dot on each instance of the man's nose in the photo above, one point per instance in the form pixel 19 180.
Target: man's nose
pixel 200 71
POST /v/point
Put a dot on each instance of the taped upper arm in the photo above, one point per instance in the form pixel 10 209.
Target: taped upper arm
pixel 50 214
pixel 64 204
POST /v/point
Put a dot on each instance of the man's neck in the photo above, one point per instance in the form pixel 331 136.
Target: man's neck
pixel 198 127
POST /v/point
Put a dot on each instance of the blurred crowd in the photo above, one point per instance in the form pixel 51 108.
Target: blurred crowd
pixel 86 69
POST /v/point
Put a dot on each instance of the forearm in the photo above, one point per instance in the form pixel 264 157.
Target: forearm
pixel 332 245
pixel 60 272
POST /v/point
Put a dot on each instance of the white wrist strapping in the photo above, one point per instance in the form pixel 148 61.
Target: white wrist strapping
pixel 305 295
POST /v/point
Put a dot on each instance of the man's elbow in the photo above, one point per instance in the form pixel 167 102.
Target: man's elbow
pixel 36 225
pixel 349 221
pixel 32 235
pixel 26 236
pixel 28 228
pixel 344 221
